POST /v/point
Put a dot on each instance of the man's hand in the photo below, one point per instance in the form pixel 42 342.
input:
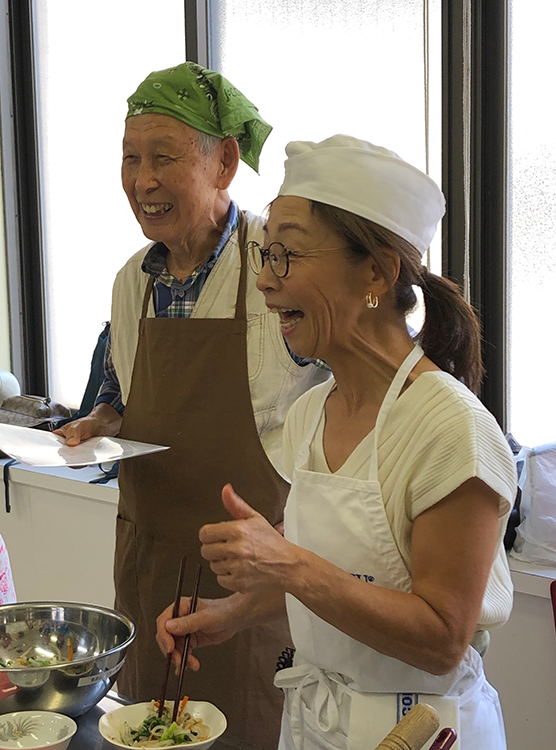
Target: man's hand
pixel 103 420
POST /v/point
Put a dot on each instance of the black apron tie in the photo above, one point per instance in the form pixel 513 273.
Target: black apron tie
pixel 7 465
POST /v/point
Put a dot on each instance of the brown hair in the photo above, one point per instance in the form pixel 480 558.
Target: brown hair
pixel 450 335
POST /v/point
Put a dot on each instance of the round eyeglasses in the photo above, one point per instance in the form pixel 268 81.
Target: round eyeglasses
pixel 276 253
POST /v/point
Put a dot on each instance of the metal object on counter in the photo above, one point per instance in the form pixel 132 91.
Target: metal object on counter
pixel 81 649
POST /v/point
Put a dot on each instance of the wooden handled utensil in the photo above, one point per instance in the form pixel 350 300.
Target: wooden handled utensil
pixel 413 731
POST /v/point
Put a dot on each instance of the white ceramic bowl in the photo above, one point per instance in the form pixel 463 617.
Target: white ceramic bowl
pixel 36 729
pixel 111 723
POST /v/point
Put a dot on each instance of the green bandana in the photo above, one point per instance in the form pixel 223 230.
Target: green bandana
pixel 206 101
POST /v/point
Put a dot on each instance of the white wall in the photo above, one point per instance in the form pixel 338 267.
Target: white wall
pixel 521 664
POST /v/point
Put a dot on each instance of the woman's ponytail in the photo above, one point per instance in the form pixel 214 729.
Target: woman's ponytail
pixel 450 335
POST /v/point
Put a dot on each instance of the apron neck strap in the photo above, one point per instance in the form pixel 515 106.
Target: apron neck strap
pixel 146 298
pixel 390 399
pixel 241 303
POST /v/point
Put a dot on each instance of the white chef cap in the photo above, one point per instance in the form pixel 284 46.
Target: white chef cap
pixel 367 180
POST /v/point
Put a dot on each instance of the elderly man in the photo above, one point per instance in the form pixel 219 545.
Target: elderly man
pixel 200 365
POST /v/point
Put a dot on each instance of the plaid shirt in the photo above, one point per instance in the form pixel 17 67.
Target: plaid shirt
pixel 173 299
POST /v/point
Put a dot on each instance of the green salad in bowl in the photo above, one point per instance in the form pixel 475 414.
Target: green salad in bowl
pixel 198 723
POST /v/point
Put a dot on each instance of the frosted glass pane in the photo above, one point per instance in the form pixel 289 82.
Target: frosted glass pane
pixel 90 57
pixel 336 66
pixel 532 223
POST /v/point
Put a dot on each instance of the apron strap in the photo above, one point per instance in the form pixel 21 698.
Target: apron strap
pixel 390 399
pixel 325 705
pixel 7 465
pixel 146 298
pixel 241 302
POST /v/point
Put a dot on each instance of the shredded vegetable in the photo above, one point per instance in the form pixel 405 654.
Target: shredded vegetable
pixel 47 656
pixel 163 732
pixel 29 661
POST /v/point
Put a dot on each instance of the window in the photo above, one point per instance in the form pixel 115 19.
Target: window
pixel 89 58
pixel 532 223
pixel 317 69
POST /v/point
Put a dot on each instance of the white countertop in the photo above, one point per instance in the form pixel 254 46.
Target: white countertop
pixel 531 579
pixel 64 479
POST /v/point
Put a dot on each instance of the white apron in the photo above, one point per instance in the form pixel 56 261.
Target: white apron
pixel 341 693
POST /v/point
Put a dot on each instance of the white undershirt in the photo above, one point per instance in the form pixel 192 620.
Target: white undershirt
pixel 437 436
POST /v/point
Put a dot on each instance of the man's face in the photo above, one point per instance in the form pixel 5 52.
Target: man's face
pixel 170 184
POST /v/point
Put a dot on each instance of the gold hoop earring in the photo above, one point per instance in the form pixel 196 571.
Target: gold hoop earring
pixel 372 303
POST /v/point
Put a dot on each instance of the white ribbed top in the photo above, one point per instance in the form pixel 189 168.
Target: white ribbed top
pixel 437 436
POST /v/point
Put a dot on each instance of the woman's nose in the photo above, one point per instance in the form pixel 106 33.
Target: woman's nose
pixel 266 280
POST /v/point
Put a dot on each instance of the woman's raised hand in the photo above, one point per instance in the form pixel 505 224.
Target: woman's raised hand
pixel 247 554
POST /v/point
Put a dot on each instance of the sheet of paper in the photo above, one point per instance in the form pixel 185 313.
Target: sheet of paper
pixel 39 448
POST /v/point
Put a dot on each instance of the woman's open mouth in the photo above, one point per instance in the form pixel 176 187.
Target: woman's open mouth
pixel 289 318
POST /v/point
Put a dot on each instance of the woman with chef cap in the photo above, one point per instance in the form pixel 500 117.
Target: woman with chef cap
pixel 391 568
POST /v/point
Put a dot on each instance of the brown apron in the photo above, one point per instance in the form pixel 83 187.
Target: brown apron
pixel 190 390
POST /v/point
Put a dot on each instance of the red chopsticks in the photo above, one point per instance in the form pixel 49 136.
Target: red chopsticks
pixel 192 609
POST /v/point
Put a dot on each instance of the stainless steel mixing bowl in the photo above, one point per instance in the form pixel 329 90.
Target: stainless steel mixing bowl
pixel 89 645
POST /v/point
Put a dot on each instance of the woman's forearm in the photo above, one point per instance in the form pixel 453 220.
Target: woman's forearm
pixel 258 608
pixel 395 623
pixel 452 548
pixel 453 545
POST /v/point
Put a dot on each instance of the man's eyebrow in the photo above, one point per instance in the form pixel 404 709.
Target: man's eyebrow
pixel 164 140
pixel 287 225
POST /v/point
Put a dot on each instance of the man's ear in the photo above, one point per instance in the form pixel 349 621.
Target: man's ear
pixel 229 162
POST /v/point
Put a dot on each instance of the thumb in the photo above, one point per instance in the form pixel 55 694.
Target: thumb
pixel 203 620
pixel 188 623
pixel 235 505
pixel 72 435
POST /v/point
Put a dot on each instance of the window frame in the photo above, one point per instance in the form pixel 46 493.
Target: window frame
pixel 475 162
pixel 489 263
pixel 197 32
pixel 21 193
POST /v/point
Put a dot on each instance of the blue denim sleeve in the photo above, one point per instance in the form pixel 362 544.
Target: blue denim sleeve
pixel 110 391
